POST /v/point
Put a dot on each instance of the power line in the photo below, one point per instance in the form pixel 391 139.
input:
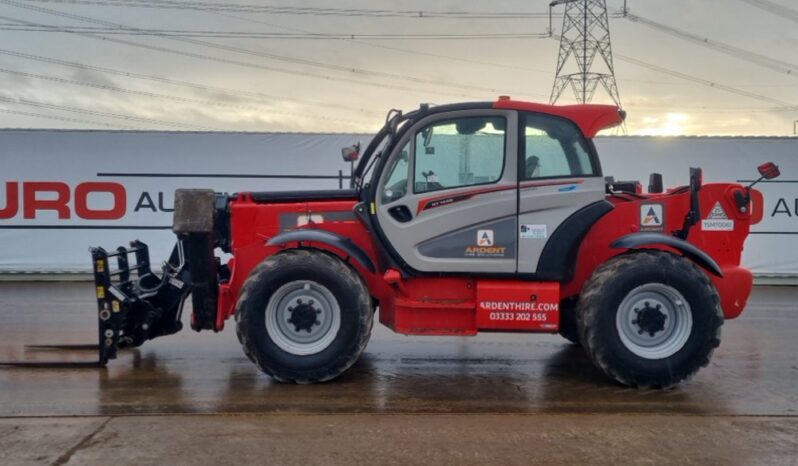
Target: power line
pixel 695 79
pixel 683 76
pixel 188 84
pixel 656 68
pixel 716 110
pixel 736 52
pixel 39 104
pixel 165 96
pixel 268 35
pixel 677 83
pixel 772 7
pixel 678 75
pixel 314 11
pixel 245 64
pixel 67 119
pixel 702 81
pixel 382 46
pixel 227 48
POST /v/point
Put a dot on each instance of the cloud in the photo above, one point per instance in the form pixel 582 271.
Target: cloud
pixel 525 68
pixel 669 124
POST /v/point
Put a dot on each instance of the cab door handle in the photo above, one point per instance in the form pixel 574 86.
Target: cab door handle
pixel 401 213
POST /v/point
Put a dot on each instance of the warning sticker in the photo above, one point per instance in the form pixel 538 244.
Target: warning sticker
pixel 534 232
pixel 717 220
pixel 652 217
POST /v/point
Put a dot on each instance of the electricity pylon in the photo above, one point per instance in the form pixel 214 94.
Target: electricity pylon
pixel 585 34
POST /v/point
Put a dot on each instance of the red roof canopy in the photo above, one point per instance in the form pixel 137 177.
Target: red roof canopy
pixel 590 118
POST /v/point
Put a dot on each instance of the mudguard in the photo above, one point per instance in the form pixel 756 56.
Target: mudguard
pixel 636 240
pixel 320 236
pixel 558 259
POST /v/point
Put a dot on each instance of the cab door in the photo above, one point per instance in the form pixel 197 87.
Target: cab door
pixel 559 174
pixel 447 198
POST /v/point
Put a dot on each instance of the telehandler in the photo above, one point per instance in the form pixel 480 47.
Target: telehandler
pixel 462 218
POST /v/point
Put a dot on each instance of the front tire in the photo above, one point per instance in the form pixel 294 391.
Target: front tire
pixel 304 316
pixel 649 318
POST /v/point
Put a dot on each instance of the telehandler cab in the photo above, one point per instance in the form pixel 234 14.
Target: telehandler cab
pixel 464 218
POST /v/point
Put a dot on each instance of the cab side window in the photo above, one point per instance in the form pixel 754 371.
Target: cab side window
pixel 459 152
pixel 553 148
pixel 395 186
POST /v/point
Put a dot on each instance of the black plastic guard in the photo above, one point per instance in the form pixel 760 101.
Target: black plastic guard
pixel 326 237
pixel 558 259
pixel 692 252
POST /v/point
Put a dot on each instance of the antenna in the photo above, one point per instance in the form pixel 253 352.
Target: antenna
pixel 585 35
pixel 795 127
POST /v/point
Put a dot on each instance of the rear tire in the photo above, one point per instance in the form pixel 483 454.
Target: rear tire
pixel 649 318
pixel 304 316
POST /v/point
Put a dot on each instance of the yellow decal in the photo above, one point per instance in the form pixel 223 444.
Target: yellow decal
pixel 115 306
pixel 100 265
pixel 100 292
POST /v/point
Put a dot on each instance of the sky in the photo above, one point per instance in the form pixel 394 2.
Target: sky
pixel 726 69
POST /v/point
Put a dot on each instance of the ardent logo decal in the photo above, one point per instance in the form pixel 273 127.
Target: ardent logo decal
pixel 485 246
pixel 485 251
pixel 652 217
pixel 484 237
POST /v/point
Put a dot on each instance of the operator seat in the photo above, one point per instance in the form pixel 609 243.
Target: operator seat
pixel 532 168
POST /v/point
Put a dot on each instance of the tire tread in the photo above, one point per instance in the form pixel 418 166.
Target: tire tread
pixel 589 312
pixel 317 259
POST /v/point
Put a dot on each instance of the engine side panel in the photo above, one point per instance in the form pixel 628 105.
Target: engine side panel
pixel 254 223
pixel 721 238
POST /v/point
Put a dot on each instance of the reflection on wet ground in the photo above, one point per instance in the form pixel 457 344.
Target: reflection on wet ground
pixel 754 372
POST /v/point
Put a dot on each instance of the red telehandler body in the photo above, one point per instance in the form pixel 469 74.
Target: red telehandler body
pixel 461 219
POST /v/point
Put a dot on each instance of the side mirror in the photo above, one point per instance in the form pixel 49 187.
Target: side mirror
pixel 351 153
pixel 769 171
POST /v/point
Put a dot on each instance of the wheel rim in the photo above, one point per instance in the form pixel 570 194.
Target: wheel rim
pixel 654 321
pixel 303 317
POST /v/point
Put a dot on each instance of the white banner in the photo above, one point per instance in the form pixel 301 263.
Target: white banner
pixel 64 191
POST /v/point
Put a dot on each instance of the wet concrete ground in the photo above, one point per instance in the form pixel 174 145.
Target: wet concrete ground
pixel 514 399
